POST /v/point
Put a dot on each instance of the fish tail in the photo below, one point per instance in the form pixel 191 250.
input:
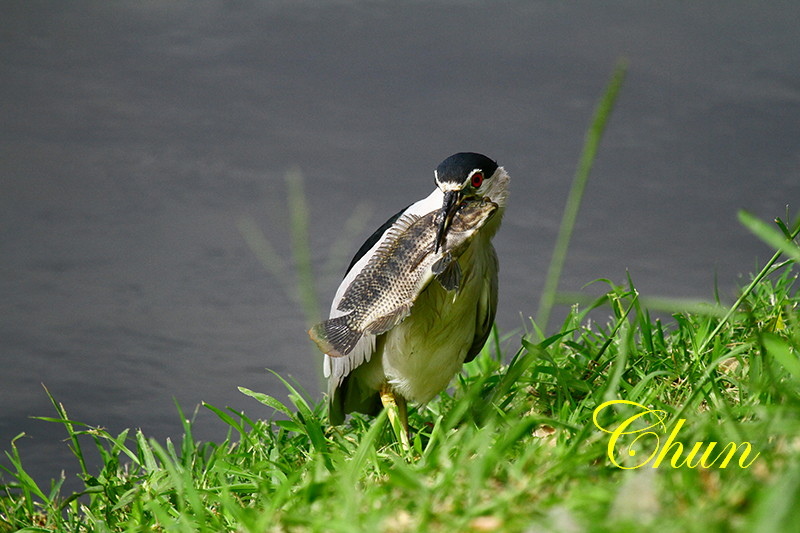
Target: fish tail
pixel 335 336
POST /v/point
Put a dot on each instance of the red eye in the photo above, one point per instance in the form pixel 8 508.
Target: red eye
pixel 477 179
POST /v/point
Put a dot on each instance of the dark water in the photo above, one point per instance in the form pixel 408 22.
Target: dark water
pixel 136 136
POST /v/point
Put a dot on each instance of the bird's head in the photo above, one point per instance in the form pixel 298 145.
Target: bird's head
pixel 467 175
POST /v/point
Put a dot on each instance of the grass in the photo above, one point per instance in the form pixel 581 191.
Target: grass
pixel 591 144
pixel 516 444
pixel 511 447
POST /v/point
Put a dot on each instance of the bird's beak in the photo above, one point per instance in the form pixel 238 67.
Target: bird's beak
pixel 445 217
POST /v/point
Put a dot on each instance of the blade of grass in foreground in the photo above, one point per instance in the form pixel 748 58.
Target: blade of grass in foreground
pixel 758 229
pixel 778 239
pixel 591 144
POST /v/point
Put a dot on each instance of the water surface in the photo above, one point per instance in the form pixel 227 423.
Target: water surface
pixel 136 136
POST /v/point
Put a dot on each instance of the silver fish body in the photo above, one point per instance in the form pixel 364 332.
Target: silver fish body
pixel 382 294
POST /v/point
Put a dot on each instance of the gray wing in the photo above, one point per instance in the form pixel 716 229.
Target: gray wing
pixel 487 309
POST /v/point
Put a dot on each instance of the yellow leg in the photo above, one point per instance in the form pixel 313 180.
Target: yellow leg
pixel 397 410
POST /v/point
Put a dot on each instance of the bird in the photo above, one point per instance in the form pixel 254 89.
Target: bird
pixel 416 359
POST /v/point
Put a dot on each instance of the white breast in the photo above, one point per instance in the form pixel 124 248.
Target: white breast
pixel 423 353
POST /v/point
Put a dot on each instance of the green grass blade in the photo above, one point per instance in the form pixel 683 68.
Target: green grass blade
pixel 766 270
pixel 29 486
pixel 783 352
pixel 262 248
pixel 73 437
pixel 301 247
pixel 590 147
pixel 774 237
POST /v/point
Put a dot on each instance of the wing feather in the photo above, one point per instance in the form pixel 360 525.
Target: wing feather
pixel 487 309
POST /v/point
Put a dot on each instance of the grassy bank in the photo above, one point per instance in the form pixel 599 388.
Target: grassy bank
pixel 511 447
pixel 527 439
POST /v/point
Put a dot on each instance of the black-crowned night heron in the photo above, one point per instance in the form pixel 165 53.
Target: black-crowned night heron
pixel 415 359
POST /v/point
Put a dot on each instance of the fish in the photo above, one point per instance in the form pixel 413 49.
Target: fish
pixel 383 293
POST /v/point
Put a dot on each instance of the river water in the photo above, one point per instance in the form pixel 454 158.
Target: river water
pixel 139 138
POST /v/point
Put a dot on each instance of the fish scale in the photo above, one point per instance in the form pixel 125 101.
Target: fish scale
pixel 382 295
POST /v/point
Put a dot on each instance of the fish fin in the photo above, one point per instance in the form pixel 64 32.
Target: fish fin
pixel 387 322
pixel 450 275
pixel 393 234
pixel 441 264
pixel 334 336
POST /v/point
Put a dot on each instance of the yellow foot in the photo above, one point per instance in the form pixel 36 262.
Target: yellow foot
pixel 398 414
